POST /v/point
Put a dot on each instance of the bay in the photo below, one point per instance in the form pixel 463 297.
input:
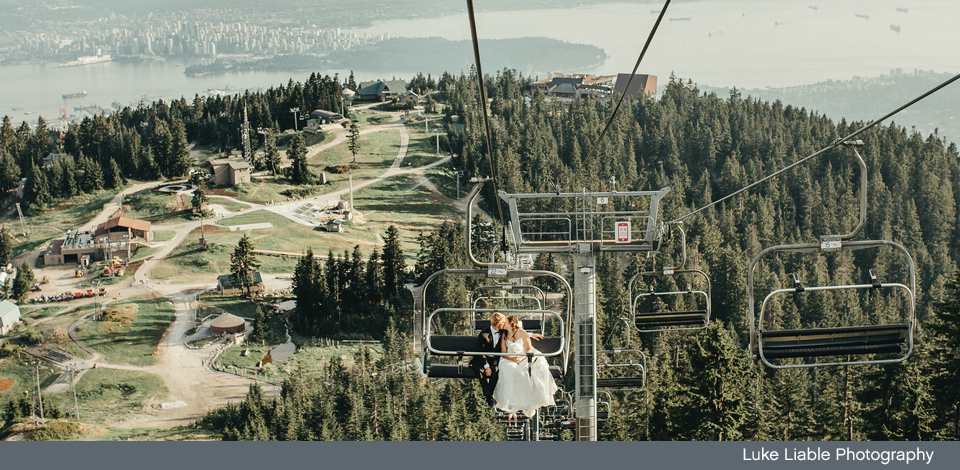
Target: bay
pixel 742 43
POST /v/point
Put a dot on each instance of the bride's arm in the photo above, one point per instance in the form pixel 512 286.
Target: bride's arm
pixel 528 347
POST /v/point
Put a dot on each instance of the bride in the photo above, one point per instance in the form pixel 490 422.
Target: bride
pixel 518 389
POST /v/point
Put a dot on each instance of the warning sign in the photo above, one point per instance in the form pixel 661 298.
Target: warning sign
pixel 623 232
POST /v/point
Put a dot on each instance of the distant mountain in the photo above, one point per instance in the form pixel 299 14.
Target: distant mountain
pixel 866 99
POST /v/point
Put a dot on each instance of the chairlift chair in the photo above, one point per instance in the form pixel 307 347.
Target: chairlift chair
pixel 844 342
pixel 626 369
pixel 651 319
pixel 467 344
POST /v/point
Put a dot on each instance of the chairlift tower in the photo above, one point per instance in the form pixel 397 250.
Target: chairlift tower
pixel 583 225
pixel 247 152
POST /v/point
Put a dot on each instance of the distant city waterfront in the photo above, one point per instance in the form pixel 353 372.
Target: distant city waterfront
pixel 745 43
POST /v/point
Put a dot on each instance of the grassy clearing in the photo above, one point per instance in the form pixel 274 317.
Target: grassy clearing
pixel 21 372
pixel 37 313
pixel 378 150
pixel 145 252
pixel 312 355
pixel 163 235
pixel 403 202
pixel 422 147
pixel 36 239
pixel 74 212
pixel 148 204
pixel 365 119
pixel 228 204
pixel 180 433
pixel 130 330
pixel 188 263
pixel 109 395
pixel 262 190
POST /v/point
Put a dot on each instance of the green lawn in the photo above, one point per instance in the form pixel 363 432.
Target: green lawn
pixel 74 212
pixel 163 235
pixel 188 263
pixel 228 204
pixel 21 372
pixel 107 395
pixel 311 355
pixel 402 202
pixel 36 313
pixel 37 238
pixel 133 336
pixel 147 203
pixel 378 150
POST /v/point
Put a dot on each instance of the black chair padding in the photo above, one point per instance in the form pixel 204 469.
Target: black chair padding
pixel 452 371
pixel 620 382
pixel 813 342
pixel 454 345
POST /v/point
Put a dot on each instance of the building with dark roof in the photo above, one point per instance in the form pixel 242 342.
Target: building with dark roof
pixel 226 285
pixel 381 90
pixel 646 84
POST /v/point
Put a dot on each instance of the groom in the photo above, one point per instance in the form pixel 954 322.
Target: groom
pixel 487 367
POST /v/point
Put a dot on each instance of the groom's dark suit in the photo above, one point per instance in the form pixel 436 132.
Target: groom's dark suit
pixel 488 343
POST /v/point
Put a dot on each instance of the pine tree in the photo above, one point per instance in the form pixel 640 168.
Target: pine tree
pixel 261 326
pixel 394 263
pixel 22 283
pixel 244 264
pixel 6 246
pixel 300 173
pixel 354 140
pixel 945 358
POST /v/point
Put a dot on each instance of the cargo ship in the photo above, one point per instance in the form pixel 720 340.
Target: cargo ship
pixel 81 94
pixel 87 60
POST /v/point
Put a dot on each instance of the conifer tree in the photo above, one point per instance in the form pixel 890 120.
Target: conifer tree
pixel 244 264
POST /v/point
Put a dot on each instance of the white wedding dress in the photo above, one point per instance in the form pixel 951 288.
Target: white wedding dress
pixel 518 390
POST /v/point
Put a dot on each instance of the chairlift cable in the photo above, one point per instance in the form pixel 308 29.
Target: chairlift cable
pixel 627 87
pixel 832 145
pixel 483 107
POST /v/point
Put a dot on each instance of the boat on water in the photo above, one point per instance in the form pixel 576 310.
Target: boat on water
pixel 904 10
pixel 683 18
pixel 81 94
pixel 19 108
pixel 813 7
pixel 895 27
pixel 87 60
pixel 29 112
pixel 858 15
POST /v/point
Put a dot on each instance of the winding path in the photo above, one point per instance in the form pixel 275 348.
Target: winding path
pixel 194 387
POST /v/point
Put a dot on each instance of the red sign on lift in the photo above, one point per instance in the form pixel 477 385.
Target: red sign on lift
pixel 623 232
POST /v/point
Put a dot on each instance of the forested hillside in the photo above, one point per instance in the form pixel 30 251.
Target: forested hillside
pixel 148 142
pixel 702 385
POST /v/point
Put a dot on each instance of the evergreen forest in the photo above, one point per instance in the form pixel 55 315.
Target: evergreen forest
pixel 701 385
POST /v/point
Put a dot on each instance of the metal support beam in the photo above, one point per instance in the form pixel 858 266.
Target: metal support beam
pixel 585 313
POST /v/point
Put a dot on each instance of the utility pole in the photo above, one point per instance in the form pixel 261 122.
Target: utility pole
pixel 73 384
pixel 296 123
pixel 39 395
pixel 351 192
pixel 436 130
pixel 458 173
